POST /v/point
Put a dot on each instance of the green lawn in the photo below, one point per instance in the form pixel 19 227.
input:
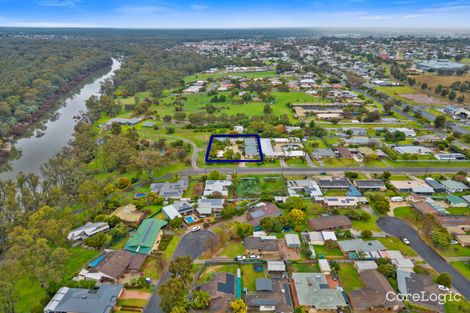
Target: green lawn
pixel 298 162
pixel 324 251
pixel 233 249
pixel 407 213
pixel 171 247
pixel 249 276
pixel 457 307
pixel 349 277
pixel 393 243
pixel 459 211
pixel 206 274
pixel 463 267
pixel 134 303
pixel 204 76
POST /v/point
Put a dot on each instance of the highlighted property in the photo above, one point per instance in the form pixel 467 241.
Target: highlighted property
pixel 232 148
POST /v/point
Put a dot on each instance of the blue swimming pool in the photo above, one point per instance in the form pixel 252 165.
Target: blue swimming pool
pixel 139 195
pixel 190 219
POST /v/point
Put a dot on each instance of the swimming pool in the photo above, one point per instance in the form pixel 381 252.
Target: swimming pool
pixel 190 219
pixel 139 195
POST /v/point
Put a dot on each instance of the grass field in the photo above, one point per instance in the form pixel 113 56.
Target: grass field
pixel 233 249
pixel 433 80
pixel 170 249
pixel 248 187
pixel 204 76
pixel 249 276
pixel 393 243
pixel 349 276
pixel 208 271
pixel 324 251
pixel 463 267
pixel 459 211
pixel 305 267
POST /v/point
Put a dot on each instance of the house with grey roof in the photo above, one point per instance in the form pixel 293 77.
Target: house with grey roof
pixel 265 247
pixel 270 295
pixel 370 248
pixel 222 291
pixel 435 185
pixel 217 187
pixel 101 299
pixel 171 190
pixel 321 153
pixel 454 186
pixel 209 206
pixel 413 283
pixel 334 183
pixel 370 184
pixel 312 291
pixel 177 209
pixel 87 230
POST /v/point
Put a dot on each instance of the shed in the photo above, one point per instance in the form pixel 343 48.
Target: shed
pixel 316 238
pixel 292 241
pixel 324 266
pixel 329 235
pixel 365 265
pixel 276 266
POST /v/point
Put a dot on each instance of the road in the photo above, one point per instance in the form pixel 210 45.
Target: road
pixel 328 170
pixel 192 244
pixel 401 229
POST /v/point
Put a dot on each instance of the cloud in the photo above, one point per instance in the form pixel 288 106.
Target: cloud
pixel 58 3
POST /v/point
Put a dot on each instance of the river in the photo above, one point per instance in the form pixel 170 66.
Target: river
pixel 58 131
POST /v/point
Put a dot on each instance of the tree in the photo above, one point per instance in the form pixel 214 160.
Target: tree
pixel 238 306
pixel 182 268
pixel 201 299
pixel 366 234
pixel 440 121
pixel 244 230
pixel 171 293
pixel 176 222
pixel 297 218
pixel 444 279
pixel 149 161
pixel 441 238
pixel 267 109
pixel 387 106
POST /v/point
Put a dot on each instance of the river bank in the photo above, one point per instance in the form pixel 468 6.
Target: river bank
pixel 54 131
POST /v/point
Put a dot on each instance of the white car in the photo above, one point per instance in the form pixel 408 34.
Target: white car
pixel 443 288
pixel 406 241
pixel 254 257
pixel 240 258
pixel 196 228
pixel 454 242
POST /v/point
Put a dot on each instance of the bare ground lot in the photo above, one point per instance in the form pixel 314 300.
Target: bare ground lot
pixel 434 80
pixel 423 98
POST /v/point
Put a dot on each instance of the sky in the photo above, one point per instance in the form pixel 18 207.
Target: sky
pixel 235 14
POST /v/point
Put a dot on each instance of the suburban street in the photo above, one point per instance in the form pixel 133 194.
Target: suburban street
pixel 192 244
pixel 401 229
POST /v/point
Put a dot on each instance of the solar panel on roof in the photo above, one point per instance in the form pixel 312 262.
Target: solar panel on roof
pixel 257 214
pixel 229 286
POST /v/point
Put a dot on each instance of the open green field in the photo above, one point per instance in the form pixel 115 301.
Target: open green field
pixel 232 249
pixel 249 276
pixel 305 267
pixel 326 252
pixel 204 76
pixel 349 276
pixel 248 187
pixel 463 267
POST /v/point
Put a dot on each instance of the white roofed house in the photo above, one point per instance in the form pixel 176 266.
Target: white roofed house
pixel 206 207
pixel 87 230
pixel 214 187
pixel 292 241
pixel 324 266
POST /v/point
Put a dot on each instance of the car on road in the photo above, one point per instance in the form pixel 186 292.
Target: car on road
pixel 253 257
pixel 240 258
pixel 196 228
pixel 454 242
pixel 443 288
pixel 405 241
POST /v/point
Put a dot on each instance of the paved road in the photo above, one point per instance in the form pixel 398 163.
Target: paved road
pixel 328 170
pixel 399 228
pixel 192 244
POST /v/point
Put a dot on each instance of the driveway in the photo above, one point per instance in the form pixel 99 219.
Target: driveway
pixel 400 229
pixel 192 244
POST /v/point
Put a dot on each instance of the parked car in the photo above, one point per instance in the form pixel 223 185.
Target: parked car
pixel 240 258
pixel 405 241
pixel 454 242
pixel 253 257
pixel 443 288
pixel 196 228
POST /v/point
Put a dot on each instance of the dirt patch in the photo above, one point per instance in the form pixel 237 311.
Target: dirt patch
pixel 135 294
pixel 287 253
pixel 422 98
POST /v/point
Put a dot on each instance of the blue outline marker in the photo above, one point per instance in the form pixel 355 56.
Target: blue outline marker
pixel 258 139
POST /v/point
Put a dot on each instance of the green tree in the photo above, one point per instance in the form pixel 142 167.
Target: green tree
pixel 182 268
pixel 238 306
pixel 444 279
pixel 440 121
pixel 201 299
pixel 171 293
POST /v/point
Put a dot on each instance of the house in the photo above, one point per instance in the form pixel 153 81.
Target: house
pixel 309 187
pixel 251 147
pixel 262 246
pixel 375 295
pixel 100 299
pixel 328 235
pixel 147 237
pixel 407 131
pixel 330 222
pixel 344 153
pixel 316 238
pixel 222 291
pixel 292 241
pixel 340 202
pixel 428 206
pixel 171 190
pixel 439 188
pixel 112 266
pixel 208 206
pixel 87 230
pixel 371 247
pixel 370 185
pixel 449 156
pixel 217 187
pixel 177 209
pixel 423 284
pixel 324 266
pixel 276 267
pixel 417 186
pixel 121 121
pixel 365 265
pixel 334 183
pixel 454 186
pixel 413 150
pixel 463 240
pixel 311 290
pixel 129 214
pixel 270 295
pixel 456 202
pixel 321 153
pixel 260 211
pixel 403 264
